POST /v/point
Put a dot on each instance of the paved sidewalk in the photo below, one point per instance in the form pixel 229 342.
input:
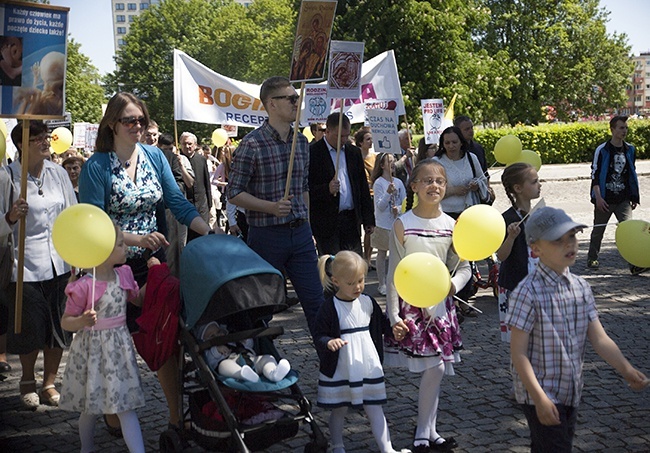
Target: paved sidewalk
pixel 474 408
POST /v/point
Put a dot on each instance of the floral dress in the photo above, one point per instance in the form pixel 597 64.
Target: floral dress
pixel 434 332
pixel 101 375
pixel 131 203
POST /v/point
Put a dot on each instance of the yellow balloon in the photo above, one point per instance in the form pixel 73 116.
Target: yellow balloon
pixel 83 235
pixel 530 157
pixel 479 232
pixel 307 133
pixel 61 140
pixel 3 144
pixel 219 137
pixel 507 149
pixel 633 242
pixel 422 279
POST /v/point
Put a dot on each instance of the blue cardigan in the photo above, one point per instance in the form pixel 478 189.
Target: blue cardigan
pixel 95 183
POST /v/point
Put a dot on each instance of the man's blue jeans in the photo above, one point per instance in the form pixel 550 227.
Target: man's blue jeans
pixel 292 250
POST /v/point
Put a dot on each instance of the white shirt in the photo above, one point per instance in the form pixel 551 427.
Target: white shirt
pixel 58 194
pixel 345 191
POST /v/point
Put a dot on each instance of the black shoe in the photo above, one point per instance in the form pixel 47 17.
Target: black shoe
pixel 5 367
pixel 291 301
pixel 445 445
pixel 421 449
pixel 635 270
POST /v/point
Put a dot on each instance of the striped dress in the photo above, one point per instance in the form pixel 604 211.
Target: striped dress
pixel 359 377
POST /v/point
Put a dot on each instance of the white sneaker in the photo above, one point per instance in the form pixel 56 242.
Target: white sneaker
pixel 382 290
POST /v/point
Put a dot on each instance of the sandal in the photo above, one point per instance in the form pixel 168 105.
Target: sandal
pixel 444 445
pixel 47 398
pixel 29 400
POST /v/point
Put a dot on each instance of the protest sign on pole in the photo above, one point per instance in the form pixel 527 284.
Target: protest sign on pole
pixel 231 129
pixel 433 111
pixel 383 124
pixel 316 104
pixel 344 78
pixel 378 104
pixel 312 40
pixel 32 78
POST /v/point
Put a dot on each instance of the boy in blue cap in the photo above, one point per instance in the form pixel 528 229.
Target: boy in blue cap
pixel 552 314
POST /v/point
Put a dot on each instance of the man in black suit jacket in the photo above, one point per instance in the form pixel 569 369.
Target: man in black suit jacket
pixel 338 206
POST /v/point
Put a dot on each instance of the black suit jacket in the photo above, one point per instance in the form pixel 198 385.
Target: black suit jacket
pixel 323 206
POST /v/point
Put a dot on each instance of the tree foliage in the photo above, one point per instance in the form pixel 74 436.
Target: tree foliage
pixel 84 94
pixel 505 59
pixel 563 57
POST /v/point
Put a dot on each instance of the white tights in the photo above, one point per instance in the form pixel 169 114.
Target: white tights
pixel 378 425
pixel 429 395
pixel 130 431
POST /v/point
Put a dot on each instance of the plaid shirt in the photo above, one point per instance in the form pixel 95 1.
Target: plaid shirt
pixel 555 310
pixel 259 167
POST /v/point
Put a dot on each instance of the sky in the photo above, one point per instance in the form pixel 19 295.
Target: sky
pixel 90 24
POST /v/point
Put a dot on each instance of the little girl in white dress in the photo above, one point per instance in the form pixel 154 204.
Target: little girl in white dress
pixel 101 375
pixel 348 340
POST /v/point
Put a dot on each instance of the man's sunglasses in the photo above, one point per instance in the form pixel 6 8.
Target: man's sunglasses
pixel 293 98
pixel 130 121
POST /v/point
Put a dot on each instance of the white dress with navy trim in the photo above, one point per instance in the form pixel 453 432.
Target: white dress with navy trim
pixel 359 377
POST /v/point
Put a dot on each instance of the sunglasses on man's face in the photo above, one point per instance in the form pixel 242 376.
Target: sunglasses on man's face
pixel 293 98
pixel 130 121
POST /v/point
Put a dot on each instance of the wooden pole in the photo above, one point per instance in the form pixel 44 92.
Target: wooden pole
pixel 338 140
pixel 176 135
pixel 296 129
pixel 24 164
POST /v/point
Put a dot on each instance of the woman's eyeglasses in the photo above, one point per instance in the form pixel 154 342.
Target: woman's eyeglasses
pixel 130 121
pixel 41 139
pixel 293 98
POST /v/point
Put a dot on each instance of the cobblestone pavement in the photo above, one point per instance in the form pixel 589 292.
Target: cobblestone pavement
pixel 475 406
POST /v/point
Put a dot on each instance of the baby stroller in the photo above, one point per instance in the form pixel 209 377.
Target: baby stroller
pixel 223 280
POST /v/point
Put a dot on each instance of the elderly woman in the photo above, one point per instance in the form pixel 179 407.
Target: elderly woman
pixel 466 185
pixel 73 166
pixel 130 181
pixel 49 192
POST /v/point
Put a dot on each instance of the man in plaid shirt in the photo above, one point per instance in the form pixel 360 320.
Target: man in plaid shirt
pixel 552 314
pixel 278 228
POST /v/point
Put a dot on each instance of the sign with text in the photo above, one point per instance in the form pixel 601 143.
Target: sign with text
pixel 378 104
pixel 33 40
pixel 317 106
pixel 383 124
pixel 433 111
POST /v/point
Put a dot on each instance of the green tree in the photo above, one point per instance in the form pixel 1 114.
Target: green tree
pixel 436 51
pixel 247 44
pixel 84 94
pixel 562 54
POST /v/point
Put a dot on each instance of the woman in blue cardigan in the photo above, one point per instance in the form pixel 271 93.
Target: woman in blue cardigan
pixel 130 181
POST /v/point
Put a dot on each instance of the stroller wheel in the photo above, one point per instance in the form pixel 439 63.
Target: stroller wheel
pixel 170 442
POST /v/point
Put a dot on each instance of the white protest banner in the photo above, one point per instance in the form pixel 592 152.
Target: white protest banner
pixel 202 95
pixel 316 107
pixel 384 130
pixel 433 111
pixel 91 136
pixel 205 96
pixel 379 104
pixel 344 76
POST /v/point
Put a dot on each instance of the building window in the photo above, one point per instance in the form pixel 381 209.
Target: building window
pixel 119 7
pixel 131 18
pixel 120 18
pixel 121 30
pixel 144 6
pixel 133 6
pixel 121 42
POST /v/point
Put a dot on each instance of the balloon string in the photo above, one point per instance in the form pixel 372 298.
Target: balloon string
pixel 453 271
pixel 92 301
pixel 469 305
